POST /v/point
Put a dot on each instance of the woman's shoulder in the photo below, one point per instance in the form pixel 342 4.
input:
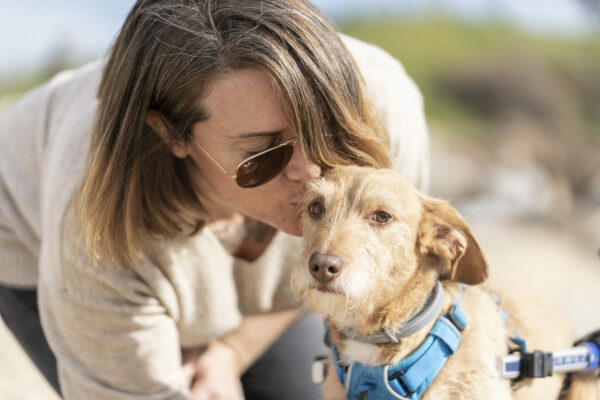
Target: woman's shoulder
pixel 385 77
pixel 48 115
pixel 81 77
pixel 36 169
pixel 68 86
pixel 400 104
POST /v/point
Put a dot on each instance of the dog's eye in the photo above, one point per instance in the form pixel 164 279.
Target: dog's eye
pixel 381 217
pixel 316 209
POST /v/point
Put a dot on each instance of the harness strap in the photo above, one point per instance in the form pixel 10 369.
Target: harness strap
pixel 409 378
pixel 416 372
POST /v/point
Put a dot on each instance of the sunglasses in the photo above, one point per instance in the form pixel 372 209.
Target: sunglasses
pixel 259 168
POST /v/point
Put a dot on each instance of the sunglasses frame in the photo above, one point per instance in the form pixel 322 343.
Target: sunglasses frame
pixel 290 142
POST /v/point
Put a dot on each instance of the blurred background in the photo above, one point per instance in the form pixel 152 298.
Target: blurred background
pixel 512 98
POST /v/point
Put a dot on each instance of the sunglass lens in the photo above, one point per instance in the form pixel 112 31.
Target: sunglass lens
pixel 263 168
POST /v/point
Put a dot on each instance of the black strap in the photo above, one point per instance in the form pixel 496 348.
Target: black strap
pixel 593 337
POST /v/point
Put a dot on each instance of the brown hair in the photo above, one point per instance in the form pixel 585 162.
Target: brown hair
pixel 134 189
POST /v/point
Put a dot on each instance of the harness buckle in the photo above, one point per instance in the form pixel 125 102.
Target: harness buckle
pixel 535 365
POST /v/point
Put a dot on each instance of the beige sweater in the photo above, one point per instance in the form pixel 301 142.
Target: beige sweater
pixel 117 333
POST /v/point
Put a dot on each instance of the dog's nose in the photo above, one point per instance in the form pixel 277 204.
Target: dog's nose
pixel 325 267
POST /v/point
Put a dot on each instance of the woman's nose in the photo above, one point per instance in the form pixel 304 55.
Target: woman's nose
pixel 301 167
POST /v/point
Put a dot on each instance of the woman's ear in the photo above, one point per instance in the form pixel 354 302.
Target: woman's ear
pixel 158 124
pixel 444 235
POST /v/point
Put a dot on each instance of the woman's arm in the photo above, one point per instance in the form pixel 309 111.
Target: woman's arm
pixel 215 370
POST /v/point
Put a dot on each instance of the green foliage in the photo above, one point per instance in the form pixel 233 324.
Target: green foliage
pixel 472 75
pixel 16 86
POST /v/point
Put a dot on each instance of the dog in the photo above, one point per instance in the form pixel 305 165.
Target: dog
pixel 377 253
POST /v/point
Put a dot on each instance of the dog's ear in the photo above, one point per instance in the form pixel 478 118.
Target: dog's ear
pixel 445 236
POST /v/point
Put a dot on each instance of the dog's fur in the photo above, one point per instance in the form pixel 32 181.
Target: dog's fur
pixel 388 269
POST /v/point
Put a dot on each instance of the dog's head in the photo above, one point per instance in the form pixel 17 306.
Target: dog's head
pixel 368 234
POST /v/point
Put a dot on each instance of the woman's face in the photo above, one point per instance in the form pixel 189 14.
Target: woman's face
pixel 246 116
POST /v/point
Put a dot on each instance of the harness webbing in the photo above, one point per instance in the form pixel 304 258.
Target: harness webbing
pixel 408 378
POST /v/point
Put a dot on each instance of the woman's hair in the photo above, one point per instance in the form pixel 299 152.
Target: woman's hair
pixel 135 190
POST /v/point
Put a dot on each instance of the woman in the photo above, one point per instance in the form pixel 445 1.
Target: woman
pixel 160 256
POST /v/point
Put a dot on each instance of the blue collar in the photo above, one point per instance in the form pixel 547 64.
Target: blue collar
pixel 408 378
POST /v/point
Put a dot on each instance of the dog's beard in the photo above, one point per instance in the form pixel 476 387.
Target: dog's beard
pixel 343 302
pixel 341 309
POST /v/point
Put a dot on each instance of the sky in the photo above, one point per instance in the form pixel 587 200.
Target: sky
pixel 32 30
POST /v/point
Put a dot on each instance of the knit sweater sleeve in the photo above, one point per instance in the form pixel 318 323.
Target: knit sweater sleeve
pixel 114 331
pixel 21 137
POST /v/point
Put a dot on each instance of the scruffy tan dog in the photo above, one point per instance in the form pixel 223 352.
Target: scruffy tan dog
pixel 374 249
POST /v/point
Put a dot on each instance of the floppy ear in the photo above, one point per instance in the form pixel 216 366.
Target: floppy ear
pixel 444 235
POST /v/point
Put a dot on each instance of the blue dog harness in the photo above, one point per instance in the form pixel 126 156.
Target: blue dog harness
pixel 408 378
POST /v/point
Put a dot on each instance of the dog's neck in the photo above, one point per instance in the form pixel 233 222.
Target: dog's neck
pixel 404 302
pixel 387 318
pixel 425 313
